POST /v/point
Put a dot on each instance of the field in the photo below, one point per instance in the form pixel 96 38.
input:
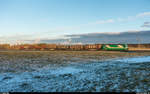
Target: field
pixel 74 71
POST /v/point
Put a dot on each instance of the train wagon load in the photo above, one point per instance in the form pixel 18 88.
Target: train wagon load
pixel 115 47
pixel 92 47
pixel 76 47
pixel 25 47
pixel 63 47
pixel 51 47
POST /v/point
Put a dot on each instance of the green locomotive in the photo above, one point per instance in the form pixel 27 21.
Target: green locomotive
pixel 115 47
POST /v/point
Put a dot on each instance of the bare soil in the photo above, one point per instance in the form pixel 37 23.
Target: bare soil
pixel 60 71
pixel 20 61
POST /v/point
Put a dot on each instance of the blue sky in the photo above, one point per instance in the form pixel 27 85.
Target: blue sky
pixel 41 19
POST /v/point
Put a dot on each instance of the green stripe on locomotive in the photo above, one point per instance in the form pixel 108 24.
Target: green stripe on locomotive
pixel 115 47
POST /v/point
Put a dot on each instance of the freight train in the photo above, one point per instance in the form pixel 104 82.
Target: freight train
pixel 88 47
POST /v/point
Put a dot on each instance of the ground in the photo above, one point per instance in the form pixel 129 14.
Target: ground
pixel 48 71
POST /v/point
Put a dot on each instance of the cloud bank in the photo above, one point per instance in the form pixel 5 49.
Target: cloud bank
pixel 132 37
pixel 146 24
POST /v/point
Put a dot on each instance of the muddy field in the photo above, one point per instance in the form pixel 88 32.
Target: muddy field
pixel 74 71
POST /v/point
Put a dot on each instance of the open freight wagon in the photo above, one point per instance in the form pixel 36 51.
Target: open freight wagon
pixel 115 47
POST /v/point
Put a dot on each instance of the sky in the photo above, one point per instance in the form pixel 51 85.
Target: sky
pixel 22 20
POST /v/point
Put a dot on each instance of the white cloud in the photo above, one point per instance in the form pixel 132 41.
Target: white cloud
pixel 69 28
pixel 131 18
pixel 65 29
pixel 102 22
pixel 144 14
pixel 146 24
pixel 17 38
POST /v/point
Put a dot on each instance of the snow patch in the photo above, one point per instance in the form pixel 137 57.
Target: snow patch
pixel 65 70
pixel 135 60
